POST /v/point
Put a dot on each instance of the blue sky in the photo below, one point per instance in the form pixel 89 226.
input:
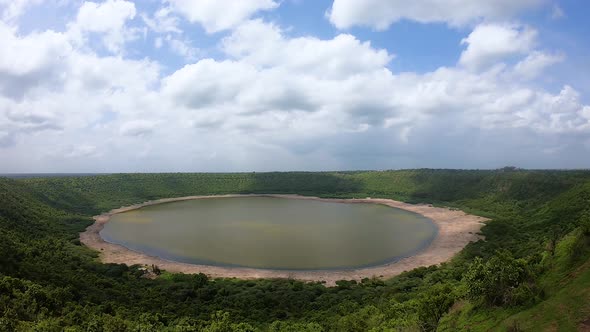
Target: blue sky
pixel 260 85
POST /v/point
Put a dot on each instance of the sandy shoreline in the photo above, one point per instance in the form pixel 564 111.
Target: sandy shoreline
pixel 455 230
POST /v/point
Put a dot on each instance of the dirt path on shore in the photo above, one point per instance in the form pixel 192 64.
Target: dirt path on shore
pixel 455 230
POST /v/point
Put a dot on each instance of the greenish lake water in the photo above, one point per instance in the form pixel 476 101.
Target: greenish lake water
pixel 269 232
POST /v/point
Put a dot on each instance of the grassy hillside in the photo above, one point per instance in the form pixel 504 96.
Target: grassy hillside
pixel 534 259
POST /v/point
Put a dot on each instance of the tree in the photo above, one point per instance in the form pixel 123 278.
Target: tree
pixel 434 304
pixel 496 280
pixel 221 322
pixel 585 223
pixel 554 236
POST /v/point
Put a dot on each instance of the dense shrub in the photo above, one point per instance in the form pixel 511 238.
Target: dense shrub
pixel 498 281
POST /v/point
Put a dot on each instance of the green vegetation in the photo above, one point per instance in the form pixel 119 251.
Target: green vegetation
pixel 531 273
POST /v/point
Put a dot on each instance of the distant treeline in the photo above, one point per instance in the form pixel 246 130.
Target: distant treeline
pixel 537 247
pixel 46 175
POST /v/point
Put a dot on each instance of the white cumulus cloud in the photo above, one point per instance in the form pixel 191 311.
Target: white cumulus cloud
pixel 535 63
pixel 264 45
pixel 380 14
pixel 12 9
pixel 489 43
pixel 137 128
pixel 108 19
pixel 218 15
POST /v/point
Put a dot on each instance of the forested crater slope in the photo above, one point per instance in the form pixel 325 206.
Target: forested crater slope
pixel 534 257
